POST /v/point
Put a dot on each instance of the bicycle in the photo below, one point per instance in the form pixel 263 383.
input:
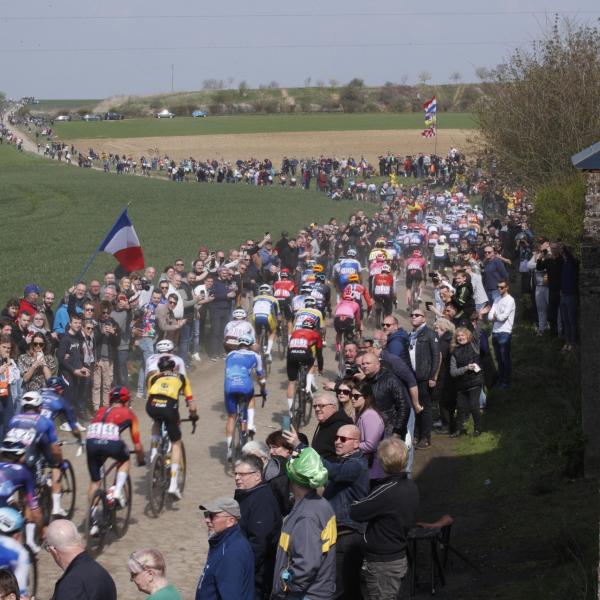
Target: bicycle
pixel 282 337
pixel 414 295
pixel 263 339
pixel 302 404
pixel 241 433
pixel 107 514
pixel 159 474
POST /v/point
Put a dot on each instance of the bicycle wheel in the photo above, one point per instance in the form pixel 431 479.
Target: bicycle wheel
pixel 32 573
pixel 45 502
pixel 122 514
pixel 182 470
pixel 414 295
pixel 307 408
pixel 299 399
pixel 98 515
pixel 378 315
pixel 157 485
pixel 68 488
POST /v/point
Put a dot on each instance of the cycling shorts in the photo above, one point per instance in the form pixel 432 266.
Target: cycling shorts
pixel 232 399
pixel 167 414
pixel 343 325
pixel 415 275
pixel 98 451
pixel 293 364
pixel 264 322
pixel 285 307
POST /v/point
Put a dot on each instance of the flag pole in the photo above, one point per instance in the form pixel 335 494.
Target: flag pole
pixel 91 259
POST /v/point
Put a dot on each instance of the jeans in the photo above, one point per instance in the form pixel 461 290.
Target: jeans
pixel 348 562
pixel 218 320
pixel 383 579
pixel 121 372
pixel 146 346
pixel 196 336
pixel 6 413
pixel 185 335
pixel 424 417
pixel 541 303
pixel 501 343
pixel 568 317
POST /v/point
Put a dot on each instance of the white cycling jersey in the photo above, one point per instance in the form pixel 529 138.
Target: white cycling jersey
pixel 152 362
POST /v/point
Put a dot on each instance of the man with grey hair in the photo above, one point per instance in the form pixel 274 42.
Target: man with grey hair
pixel 83 577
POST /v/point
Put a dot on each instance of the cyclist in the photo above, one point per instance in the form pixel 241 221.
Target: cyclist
pixel 415 268
pixel 347 318
pixel 31 436
pixel 345 268
pixel 360 292
pixel 13 555
pixel 164 389
pixel 305 344
pixel 378 249
pixel 284 290
pixel 298 301
pixel 311 311
pixel 104 441
pixel 239 365
pixel 321 292
pixel 164 348
pixel 440 254
pixel 236 327
pixel 264 310
pixel 383 289
pixel 16 477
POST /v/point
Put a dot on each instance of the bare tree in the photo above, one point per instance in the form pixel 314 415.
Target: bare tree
pixel 424 76
pixel 455 77
pixel 307 81
pixel 242 88
pixel 482 73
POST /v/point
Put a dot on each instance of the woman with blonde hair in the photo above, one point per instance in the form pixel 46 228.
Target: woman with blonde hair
pixel 465 369
pixel 147 569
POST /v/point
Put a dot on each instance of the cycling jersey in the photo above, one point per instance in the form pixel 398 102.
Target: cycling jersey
pixel 110 421
pixel 15 558
pixel 308 313
pixel 345 268
pixel 454 238
pixel 360 291
pixel 264 305
pixel 15 477
pixel 152 362
pixel 304 345
pixel 234 329
pixel 440 250
pixel 167 386
pixel 433 240
pixel 416 239
pixel 321 292
pixel 375 268
pixel 284 289
pixel 415 263
pixel 239 365
pixel 53 405
pixel 383 284
pixel 32 432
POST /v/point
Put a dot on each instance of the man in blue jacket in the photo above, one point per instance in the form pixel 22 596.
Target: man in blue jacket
pixel 229 570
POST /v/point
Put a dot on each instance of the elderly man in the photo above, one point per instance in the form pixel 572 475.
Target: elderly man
pixel 390 510
pixel 305 561
pixel 330 418
pixel 229 570
pixel 425 359
pixel 348 482
pixel 83 577
pixel 147 569
pixel 261 519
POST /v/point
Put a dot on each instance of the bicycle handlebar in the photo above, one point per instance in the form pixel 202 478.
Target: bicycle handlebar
pixel 193 422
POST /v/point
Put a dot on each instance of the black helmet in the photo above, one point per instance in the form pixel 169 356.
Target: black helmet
pixel 166 363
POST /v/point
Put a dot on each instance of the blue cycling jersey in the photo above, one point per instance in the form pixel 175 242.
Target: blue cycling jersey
pixel 53 405
pixel 31 429
pixel 15 558
pixel 345 268
pixel 239 365
pixel 14 477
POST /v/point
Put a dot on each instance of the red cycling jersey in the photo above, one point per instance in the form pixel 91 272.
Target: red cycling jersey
pixel 361 290
pixel 383 284
pixel 123 417
pixel 283 289
pixel 305 342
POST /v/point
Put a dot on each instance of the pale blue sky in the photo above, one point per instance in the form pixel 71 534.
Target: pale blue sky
pixel 378 41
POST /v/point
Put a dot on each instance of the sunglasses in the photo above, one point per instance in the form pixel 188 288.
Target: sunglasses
pixel 89 309
pixel 344 439
pixel 501 287
pixel 346 392
pixel 387 324
pixel 356 396
pixel 38 344
pixel 321 406
pixel 171 303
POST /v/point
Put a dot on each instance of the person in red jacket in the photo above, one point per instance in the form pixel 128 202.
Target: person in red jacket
pixel 305 344
pixel 29 302
pixel 383 289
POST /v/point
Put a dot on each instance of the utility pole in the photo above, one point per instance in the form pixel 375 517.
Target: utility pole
pixel 172 77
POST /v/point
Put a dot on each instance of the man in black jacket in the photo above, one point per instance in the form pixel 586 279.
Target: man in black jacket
pixel 425 359
pixel 390 510
pixel 83 577
pixel 261 520
pixel 330 418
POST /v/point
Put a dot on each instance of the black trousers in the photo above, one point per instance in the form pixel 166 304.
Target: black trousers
pixel 553 309
pixel 423 419
pixel 348 563
pixel 468 404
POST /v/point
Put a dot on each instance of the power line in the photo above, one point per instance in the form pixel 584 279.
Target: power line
pixel 258 47
pixel 362 15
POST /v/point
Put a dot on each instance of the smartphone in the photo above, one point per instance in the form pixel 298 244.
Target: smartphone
pixel 428 305
pixel 285 422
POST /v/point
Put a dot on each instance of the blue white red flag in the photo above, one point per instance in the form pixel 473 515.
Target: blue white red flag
pixel 430 118
pixel 123 243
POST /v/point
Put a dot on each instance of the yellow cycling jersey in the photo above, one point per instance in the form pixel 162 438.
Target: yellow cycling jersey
pixel 264 305
pixel 169 385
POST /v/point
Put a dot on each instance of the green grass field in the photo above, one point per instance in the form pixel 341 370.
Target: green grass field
pixel 67 105
pixel 131 128
pixel 55 216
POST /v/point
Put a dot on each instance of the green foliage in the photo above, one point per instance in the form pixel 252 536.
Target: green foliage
pixel 559 210
pixel 54 216
pixel 352 96
pixel 541 105
pixel 129 128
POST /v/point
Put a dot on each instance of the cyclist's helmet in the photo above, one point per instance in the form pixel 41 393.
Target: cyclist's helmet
pixel 165 346
pixel 56 383
pixel 309 323
pixel 284 273
pixel 442 239
pixel 354 278
pixel 245 340
pixel 318 268
pixel 309 302
pixel 31 400
pixel 380 257
pixel 265 288
pixel 305 289
pixel 310 263
pixel 320 276
pixel 166 363
pixel 347 294
pixel 380 243
pixel 351 253
pixel 417 252
pixel 239 314
pixel 120 393
pixel 386 268
pixel 10 520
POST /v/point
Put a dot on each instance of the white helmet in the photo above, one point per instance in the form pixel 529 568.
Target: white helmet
pixel 165 346
pixel 265 288
pixel 31 399
pixel 239 313
pixel 351 253
pixel 10 520
pixel 245 340
pixel 443 239
pixel 385 268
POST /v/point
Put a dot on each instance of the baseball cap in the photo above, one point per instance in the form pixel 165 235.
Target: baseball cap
pixel 223 504
pixel 32 288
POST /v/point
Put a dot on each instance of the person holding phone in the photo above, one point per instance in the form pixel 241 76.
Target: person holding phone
pixel 36 366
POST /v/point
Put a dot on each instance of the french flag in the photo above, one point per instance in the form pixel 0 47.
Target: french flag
pixel 123 243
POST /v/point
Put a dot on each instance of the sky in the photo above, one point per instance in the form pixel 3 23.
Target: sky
pixel 74 49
